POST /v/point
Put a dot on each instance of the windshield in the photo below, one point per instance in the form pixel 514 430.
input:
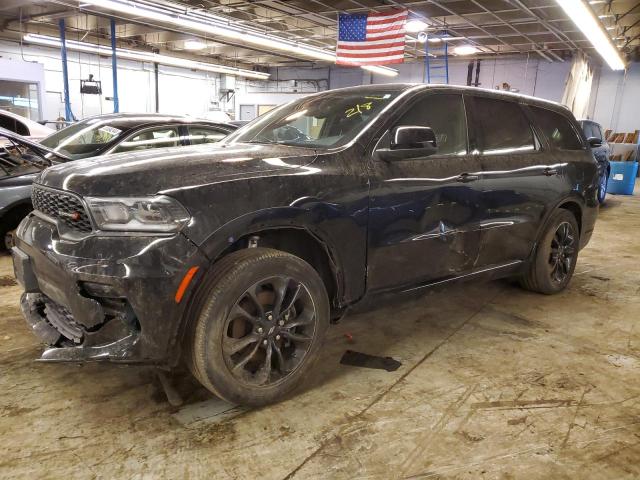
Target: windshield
pixel 83 139
pixel 328 120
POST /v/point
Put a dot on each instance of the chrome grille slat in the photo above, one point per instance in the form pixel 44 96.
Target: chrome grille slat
pixel 61 206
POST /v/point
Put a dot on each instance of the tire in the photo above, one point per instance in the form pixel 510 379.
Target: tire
pixel 233 312
pixel 553 251
pixel 602 188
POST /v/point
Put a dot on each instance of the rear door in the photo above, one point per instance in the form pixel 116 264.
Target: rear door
pixel 519 178
pixel 425 212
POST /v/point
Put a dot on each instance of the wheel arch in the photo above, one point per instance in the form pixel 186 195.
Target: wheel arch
pixel 573 205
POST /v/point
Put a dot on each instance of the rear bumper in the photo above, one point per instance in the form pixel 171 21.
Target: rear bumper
pixel 103 297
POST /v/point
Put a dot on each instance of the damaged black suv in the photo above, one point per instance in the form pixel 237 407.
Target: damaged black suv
pixel 235 257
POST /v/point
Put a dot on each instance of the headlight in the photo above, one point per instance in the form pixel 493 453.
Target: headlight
pixel 138 214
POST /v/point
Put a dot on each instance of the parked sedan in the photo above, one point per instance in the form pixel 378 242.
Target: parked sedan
pixel 93 136
pixel 128 132
pixel 236 261
pixel 601 151
pixel 23 126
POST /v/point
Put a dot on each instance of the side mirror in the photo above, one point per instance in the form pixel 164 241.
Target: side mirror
pixel 409 142
pixel 594 142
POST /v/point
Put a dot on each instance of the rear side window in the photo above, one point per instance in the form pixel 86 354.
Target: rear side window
pixel 557 129
pixel 153 138
pixel 444 114
pixel 13 125
pixel 198 135
pixel 502 127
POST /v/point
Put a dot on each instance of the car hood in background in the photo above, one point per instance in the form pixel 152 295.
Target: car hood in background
pixel 152 171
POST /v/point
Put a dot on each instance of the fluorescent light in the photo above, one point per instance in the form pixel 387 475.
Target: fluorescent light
pixel 415 26
pixel 194 45
pixel 591 27
pixel 434 39
pixel 386 71
pixel 145 57
pixel 212 25
pixel 465 50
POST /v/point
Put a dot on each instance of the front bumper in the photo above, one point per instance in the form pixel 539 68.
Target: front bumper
pixel 102 297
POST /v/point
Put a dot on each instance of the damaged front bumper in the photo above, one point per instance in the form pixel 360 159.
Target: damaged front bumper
pixel 102 297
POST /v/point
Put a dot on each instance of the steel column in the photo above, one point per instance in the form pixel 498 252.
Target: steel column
pixel 114 67
pixel 68 114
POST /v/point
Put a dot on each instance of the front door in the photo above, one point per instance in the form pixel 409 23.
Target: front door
pixel 425 213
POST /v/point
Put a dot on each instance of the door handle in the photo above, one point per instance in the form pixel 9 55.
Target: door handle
pixel 467 177
pixel 550 171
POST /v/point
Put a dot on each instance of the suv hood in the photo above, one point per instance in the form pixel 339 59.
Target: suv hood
pixel 152 171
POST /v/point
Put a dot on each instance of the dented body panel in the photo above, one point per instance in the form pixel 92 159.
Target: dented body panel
pixel 383 225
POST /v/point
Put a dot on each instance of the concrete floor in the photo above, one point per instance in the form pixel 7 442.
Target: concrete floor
pixel 495 382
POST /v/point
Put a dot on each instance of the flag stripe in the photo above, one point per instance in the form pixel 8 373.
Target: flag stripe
pixel 372 51
pixel 399 25
pixel 371 46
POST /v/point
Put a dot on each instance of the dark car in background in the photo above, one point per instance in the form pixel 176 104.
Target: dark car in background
pixel 236 260
pixel 127 132
pixel 602 153
pixel 99 135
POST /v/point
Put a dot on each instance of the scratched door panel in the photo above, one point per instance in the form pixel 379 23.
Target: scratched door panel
pixel 424 221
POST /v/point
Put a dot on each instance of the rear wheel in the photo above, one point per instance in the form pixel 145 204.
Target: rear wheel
pixel 602 187
pixel 556 255
pixel 262 317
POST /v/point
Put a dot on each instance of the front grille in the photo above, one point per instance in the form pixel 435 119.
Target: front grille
pixel 64 207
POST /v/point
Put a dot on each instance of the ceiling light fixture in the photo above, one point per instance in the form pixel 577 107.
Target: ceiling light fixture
pixel 465 50
pixel 194 45
pixel 213 25
pixel 415 25
pixel 386 71
pixel 591 27
pixel 144 57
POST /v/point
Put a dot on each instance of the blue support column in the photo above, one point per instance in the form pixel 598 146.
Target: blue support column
pixel 114 67
pixel 68 114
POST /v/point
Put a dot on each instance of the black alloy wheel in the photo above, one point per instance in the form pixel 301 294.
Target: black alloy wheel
pixel 563 249
pixel 269 331
pixel 259 320
pixel 555 256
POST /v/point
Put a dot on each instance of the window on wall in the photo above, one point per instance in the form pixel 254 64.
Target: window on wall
pixel 20 98
pixel 444 114
pixel 557 129
pixel 502 127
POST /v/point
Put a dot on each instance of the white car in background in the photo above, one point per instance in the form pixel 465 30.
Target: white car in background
pixel 23 126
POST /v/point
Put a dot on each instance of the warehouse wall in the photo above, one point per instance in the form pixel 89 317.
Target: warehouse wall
pixel 617 99
pixel 615 94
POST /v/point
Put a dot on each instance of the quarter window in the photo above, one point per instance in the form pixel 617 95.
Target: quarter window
pixel 445 115
pixel 502 127
pixel 13 125
pixel 198 135
pixel 152 138
pixel 557 129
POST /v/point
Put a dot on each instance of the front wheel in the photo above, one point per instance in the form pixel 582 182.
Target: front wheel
pixel 556 255
pixel 262 316
pixel 602 187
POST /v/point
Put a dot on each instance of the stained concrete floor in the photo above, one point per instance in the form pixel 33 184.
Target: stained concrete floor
pixel 495 383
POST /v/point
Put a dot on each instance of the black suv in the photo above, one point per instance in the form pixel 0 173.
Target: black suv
pixel 236 257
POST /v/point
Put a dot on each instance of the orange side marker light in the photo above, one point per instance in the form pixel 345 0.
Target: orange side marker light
pixel 185 283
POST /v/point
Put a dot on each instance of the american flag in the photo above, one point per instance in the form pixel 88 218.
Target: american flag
pixel 371 38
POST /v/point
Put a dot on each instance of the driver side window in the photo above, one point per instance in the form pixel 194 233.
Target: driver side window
pixel 445 115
